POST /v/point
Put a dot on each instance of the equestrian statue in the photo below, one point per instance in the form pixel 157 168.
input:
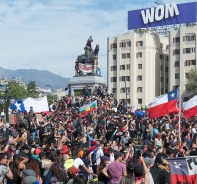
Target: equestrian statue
pixel 87 63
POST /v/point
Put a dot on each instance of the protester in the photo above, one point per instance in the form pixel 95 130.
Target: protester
pixel 66 146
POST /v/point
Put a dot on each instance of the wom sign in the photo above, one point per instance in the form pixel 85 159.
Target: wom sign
pixel 161 15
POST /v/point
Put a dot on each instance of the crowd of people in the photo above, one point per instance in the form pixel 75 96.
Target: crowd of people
pixel 110 145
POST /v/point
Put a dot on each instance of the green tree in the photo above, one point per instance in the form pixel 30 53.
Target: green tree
pixel 31 89
pixel 191 85
pixel 50 97
pixel 17 91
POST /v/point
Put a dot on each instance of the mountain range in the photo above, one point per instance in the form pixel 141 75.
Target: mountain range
pixel 42 77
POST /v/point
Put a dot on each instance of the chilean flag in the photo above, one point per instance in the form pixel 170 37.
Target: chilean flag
pixel 164 104
pixel 190 107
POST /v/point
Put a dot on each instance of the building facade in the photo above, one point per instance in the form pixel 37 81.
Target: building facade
pixel 148 65
pixel 134 59
pixel 182 55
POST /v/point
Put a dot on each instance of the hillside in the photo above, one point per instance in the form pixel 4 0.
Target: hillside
pixel 42 77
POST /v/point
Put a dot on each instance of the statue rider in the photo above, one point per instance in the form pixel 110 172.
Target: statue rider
pixel 89 42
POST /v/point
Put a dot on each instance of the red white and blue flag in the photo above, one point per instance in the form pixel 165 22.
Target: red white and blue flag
pixel 183 170
pixel 164 104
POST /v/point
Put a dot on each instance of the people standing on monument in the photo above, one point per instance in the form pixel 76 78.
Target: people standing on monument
pixel 89 42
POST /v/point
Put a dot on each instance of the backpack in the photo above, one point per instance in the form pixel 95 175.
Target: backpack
pixel 94 156
pixel 132 163
pixel 155 173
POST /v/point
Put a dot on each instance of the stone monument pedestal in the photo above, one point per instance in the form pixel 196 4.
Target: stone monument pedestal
pixel 77 83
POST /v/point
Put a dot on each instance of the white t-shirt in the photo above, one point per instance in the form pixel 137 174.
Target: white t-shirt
pixel 99 154
pixel 193 132
pixel 78 162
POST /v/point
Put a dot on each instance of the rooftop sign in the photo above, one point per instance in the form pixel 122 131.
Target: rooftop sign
pixel 161 15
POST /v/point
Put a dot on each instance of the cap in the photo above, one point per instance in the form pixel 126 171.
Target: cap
pixel 30 179
pixel 117 154
pixel 64 149
pixel 29 172
pixel 73 170
pixel 25 147
pixel 148 161
pixel 8 155
pixel 104 158
pixel 37 151
pixel 53 180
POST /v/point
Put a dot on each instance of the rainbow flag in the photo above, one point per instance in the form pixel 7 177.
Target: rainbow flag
pixel 87 108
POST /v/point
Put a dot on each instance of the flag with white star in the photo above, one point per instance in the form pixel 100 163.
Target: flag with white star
pixel 183 170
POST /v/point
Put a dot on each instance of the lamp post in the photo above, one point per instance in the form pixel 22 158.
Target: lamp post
pixel 7 99
pixel 124 78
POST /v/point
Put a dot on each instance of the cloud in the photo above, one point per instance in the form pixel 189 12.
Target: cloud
pixel 50 34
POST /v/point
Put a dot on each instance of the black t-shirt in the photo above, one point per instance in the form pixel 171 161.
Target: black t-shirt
pixel 16 179
pixel 86 161
pixel 41 131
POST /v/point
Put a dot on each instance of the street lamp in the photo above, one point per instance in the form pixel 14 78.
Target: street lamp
pixel 7 100
pixel 124 79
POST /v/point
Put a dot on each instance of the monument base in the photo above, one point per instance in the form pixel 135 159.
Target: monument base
pixel 77 83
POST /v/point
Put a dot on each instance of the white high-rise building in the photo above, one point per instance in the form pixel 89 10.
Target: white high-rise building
pixel 182 56
pixel 138 63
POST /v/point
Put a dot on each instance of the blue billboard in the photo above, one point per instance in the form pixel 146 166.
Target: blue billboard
pixel 162 15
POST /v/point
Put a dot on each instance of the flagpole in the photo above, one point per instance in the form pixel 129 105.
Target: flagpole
pixel 179 109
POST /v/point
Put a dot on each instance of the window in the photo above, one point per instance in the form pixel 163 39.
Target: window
pixel 125 55
pixel 114 90
pixel 176 51
pixel 193 50
pixel 129 44
pixel 176 40
pixel 167 58
pixel 127 78
pixel 166 90
pixel 186 75
pixel 176 64
pixel 161 45
pixel 186 50
pixel 187 38
pixel 161 68
pixel 139 101
pixel 167 47
pixel 113 79
pixel 190 62
pixel 125 44
pixel 122 90
pixel 128 90
pixel 114 57
pixel 122 78
pixel 162 92
pixel 161 56
pixel 192 37
pixel 139 77
pixel 139 66
pixel 113 68
pixel 166 80
pixel 128 66
pixel 193 62
pixel 166 69
pixel 139 89
pixel 161 79
pixel 139 43
pixel 113 46
pixel 122 67
pixel 176 75
pixel 139 55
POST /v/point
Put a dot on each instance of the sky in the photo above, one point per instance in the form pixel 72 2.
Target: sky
pixel 50 34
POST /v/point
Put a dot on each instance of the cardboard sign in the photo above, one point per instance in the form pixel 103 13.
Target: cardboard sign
pixel 11 118
pixel 18 118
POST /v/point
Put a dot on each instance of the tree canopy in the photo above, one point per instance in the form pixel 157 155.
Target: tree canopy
pixel 191 85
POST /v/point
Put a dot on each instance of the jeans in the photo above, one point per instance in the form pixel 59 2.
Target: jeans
pixel 33 135
pixel 89 139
